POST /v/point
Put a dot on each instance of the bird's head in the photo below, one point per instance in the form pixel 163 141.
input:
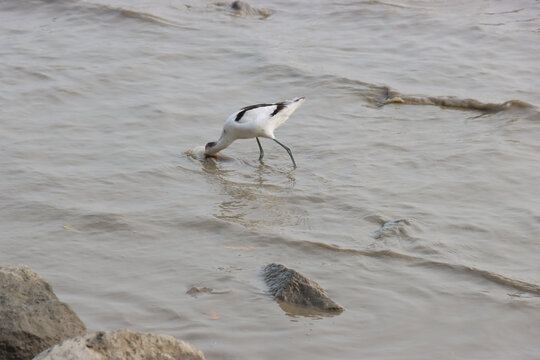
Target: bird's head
pixel 209 146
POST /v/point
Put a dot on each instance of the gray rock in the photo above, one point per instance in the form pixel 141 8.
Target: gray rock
pixel 241 6
pixel 289 286
pixel 31 316
pixel 393 228
pixel 243 9
pixel 122 345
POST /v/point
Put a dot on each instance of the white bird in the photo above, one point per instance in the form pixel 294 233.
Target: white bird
pixel 255 121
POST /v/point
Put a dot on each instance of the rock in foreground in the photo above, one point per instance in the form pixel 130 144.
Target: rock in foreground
pixel 31 316
pixel 122 345
pixel 289 286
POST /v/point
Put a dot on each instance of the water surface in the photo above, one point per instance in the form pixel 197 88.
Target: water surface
pixel 414 204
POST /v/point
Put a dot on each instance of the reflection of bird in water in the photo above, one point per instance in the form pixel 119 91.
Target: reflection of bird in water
pixel 253 122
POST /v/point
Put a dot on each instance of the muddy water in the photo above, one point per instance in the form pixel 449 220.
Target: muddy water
pixel 415 203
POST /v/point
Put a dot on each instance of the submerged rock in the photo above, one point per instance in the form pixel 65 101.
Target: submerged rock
pixel 241 6
pixel 31 316
pixel 243 9
pixel 291 287
pixel 122 345
pixel 194 291
pixel 393 228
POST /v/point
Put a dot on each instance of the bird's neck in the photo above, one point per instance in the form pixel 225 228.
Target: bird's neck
pixel 221 144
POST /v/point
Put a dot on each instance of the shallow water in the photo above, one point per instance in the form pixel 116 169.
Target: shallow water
pixel 414 204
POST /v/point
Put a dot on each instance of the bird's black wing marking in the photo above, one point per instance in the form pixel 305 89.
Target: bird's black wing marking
pixel 279 106
pixel 247 108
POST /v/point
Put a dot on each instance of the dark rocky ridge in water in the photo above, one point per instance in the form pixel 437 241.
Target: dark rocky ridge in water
pixel 453 102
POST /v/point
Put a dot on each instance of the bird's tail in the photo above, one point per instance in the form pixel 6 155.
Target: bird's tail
pixel 290 107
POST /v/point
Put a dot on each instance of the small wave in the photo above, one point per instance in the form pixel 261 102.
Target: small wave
pixel 144 16
pixel 103 9
pixel 494 277
pixel 100 222
pixel 377 2
pixel 499 279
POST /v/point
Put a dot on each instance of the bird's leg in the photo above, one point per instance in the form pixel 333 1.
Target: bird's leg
pixel 260 149
pixel 288 150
